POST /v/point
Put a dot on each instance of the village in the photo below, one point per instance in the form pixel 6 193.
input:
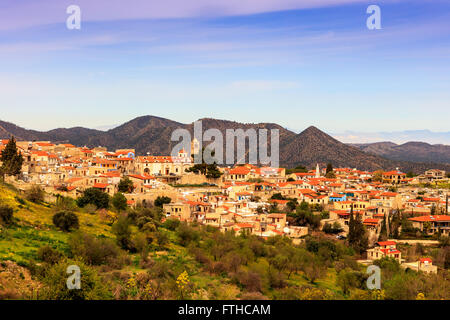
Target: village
pixel 246 198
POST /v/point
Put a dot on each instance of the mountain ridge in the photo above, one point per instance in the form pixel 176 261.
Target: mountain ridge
pixel 151 134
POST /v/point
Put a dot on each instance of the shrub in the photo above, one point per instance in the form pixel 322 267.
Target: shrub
pixel 94 251
pixel 162 200
pixel 186 234
pixel 55 283
pixel 65 204
pixel 119 201
pixel 171 224
pixel 35 194
pixel 6 215
pixel 66 221
pixel 125 185
pixel 94 196
pixel 122 229
pixel 49 255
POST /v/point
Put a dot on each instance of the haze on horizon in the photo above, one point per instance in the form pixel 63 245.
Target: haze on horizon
pixel 295 63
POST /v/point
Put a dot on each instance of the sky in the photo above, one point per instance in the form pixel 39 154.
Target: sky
pixel 295 63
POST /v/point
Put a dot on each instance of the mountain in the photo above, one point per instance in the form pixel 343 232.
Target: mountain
pixel 412 151
pixel 152 134
pixel 397 137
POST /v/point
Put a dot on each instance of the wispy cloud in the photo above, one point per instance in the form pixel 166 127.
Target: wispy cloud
pixel 20 14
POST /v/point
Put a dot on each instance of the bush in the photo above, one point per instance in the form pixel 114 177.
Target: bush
pixel 94 196
pixel 162 200
pixel 66 221
pixel 55 283
pixel 65 204
pixel 332 228
pixel 186 234
pixel 49 255
pixel 35 194
pixel 119 201
pixel 171 224
pixel 94 251
pixel 6 215
pixel 122 229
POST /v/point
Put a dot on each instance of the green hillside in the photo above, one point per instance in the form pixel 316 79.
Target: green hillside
pixel 137 255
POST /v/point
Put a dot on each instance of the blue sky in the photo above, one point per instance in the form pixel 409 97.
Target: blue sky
pixel 296 63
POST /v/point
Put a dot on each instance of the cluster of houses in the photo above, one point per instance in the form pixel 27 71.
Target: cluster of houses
pixel 242 198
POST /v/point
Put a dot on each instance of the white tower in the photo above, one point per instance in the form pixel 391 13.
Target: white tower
pixel 317 171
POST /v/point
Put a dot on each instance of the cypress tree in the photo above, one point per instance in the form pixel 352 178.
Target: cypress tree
pixel 383 231
pixel 11 159
pixel 357 238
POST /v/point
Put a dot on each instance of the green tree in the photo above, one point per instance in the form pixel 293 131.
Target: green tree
pixel 6 215
pixel 383 231
pixel 161 200
pixel 55 283
pixel 66 221
pixel 11 159
pixel 94 196
pixel 357 237
pixel 119 201
pixel 210 169
pixel 410 174
pixel 277 196
pixel 330 172
pixel 122 229
pixel 35 194
pixel 125 185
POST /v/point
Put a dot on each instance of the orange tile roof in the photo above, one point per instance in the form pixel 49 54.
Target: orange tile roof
pixel 100 185
pixel 438 218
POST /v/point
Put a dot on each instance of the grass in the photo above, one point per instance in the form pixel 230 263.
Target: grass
pixel 33 227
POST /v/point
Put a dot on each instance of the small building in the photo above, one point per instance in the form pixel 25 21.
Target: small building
pixel 384 249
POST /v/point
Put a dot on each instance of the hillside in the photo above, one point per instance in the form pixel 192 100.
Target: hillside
pixel 126 274
pixel 152 134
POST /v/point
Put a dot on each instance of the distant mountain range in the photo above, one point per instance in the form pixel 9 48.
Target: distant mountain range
pixel 412 151
pixel 152 134
pixel 398 137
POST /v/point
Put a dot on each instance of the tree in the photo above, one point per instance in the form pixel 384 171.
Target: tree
pixel 55 283
pixel 277 196
pixel 383 231
pixel 125 185
pixel 209 170
pixel 160 200
pixel 378 175
pixel 95 196
pixel 6 215
pixel 35 194
pixel 122 229
pixel 292 204
pixel 119 201
pixel 66 221
pixel 410 174
pixel 329 168
pixel 330 175
pixel 11 159
pixel 357 237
